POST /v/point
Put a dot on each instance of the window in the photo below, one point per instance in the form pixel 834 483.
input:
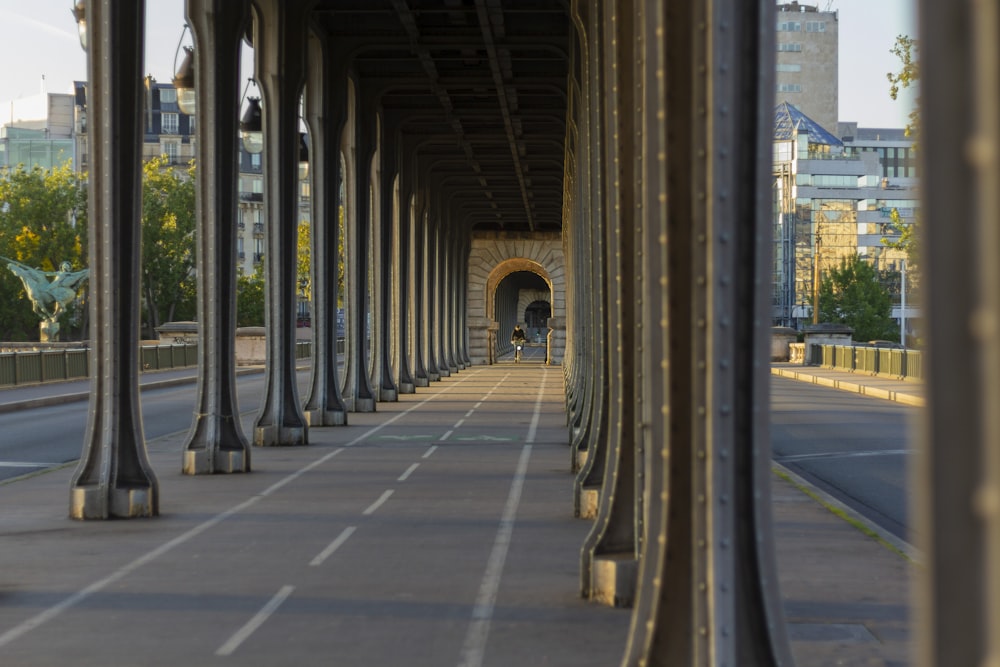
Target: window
pixel 169 123
pixel 171 149
pixel 790 26
pixel 815 26
pixel 789 88
pixel 790 47
pixel 168 95
pixel 255 160
pixel 191 125
pixel 788 68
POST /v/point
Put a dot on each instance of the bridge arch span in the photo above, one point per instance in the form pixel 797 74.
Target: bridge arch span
pixel 496 256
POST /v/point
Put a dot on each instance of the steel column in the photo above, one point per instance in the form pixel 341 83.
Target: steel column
pixel 216 442
pixel 280 50
pixel 326 114
pixel 113 478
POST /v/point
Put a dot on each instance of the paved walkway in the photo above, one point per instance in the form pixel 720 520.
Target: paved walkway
pixel 437 531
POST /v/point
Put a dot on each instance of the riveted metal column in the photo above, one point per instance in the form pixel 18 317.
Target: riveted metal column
pixel 418 284
pixel 386 267
pixel 113 478
pixel 407 220
pixel 216 442
pixel 359 391
pixel 586 418
pixel 440 291
pixel 708 589
pixel 326 114
pixel 429 290
pixel 609 558
pixel 593 436
pixel 956 489
pixel 280 49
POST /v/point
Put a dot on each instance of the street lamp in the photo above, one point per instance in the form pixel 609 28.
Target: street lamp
pixel 252 128
pixel 80 14
pixel 184 83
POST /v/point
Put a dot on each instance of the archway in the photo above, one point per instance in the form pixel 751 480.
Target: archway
pixel 492 258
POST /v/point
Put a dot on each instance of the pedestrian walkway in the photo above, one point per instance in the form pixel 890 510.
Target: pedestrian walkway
pixel 437 531
pixel 910 392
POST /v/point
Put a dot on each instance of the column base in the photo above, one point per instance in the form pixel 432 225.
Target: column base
pixel 278 436
pixel 364 405
pixel 590 498
pixel 388 396
pixel 445 372
pixel 613 579
pixel 97 502
pixel 319 417
pixel 434 376
pixel 199 462
pixel 422 382
pixel 407 388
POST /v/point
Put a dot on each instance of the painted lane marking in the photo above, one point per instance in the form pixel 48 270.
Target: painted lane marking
pixel 446 436
pixel 333 546
pixel 403 437
pixel 431 450
pixel 409 471
pixel 55 610
pixel 25 464
pixel 458 423
pixel 488 438
pixel 474 647
pixel 844 455
pixel 378 503
pixel 243 633
pixel 476 406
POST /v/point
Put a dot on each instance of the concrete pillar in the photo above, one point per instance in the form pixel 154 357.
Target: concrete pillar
pixel 280 52
pixel 326 114
pixel 216 443
pixel 113 478
pixel 386 267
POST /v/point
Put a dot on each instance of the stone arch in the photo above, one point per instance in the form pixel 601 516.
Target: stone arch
pixel 492 257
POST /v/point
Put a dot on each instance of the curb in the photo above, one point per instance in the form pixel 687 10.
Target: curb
pixel 853 387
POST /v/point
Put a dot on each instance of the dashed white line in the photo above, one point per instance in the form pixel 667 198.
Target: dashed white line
pixel 431 450
pixel 243 633
pixel 458 423
pixel 409 471
pixel 333 546
pixel 378 503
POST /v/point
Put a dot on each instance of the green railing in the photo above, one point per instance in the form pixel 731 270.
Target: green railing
pixel 36 366
pixel 882 361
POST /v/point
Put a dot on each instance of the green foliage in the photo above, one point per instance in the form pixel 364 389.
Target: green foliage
pixel 304 259
pixel 250 298
pixel 851 294
pixel 906 49
pixel 43 222
pixel 168 238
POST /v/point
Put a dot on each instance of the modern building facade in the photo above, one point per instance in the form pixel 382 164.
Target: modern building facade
pixel 38 132
pixel 834 198
pixel 806 62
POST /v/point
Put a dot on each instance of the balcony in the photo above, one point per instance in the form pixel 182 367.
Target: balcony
pixel 252 196
pixel 258 228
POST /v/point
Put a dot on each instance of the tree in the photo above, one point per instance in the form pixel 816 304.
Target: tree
pixel 250 298
pixel 168 237
pixel 907 50
pixel 851 294
pixel 43 222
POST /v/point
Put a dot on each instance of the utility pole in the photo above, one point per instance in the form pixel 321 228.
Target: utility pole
pixel 816 281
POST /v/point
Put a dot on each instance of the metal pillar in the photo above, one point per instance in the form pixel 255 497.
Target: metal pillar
pixel 358 388
pixel 280 49
pixel 326 114
pixel 609 558
pixel 708 592
pixel 385 266
pixel 113 478
pixel 216 442
pixel 956 488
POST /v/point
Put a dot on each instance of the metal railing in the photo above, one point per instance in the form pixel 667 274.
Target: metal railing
pixel 888 362
pixel 37 366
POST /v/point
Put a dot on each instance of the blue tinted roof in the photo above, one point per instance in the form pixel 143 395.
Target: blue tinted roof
pixel 788 119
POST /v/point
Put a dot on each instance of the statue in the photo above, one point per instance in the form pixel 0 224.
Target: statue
pixel 49 298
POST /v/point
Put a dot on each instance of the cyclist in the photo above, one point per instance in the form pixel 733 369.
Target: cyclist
pixel 517 339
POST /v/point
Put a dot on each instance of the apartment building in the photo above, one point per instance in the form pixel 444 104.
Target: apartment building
pixel 806 62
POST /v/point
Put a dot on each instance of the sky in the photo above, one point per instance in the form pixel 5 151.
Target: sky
pixel 40 40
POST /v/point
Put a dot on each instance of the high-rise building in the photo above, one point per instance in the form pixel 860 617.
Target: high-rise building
pixel 806 61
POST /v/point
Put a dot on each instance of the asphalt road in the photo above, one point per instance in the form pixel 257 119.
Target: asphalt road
pixel 853 447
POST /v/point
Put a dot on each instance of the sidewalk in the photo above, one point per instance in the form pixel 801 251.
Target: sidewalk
pixel 910 392
pixel 369 546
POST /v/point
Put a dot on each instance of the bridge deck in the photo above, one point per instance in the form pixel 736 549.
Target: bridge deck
pixel 437 531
